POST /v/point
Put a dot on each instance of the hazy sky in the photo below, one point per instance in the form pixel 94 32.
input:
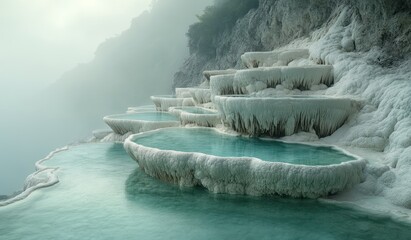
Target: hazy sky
pixel 41 39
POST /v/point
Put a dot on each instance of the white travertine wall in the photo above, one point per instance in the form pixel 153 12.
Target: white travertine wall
pixel 244 175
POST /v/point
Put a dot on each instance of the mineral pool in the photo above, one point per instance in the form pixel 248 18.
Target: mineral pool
pixel 102 195
pixel 211 142
pixel 147 116
pixel 144 108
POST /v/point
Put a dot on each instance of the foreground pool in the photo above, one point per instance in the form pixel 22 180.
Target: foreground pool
pixel 230 164
pixel 211 142
pixel 101 195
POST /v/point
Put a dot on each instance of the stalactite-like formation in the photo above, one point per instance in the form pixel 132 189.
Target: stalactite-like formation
pixel 222 85
pixel 283 116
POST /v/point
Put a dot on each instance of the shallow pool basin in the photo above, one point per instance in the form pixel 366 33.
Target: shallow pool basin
pixel 232 164
pixel 140 122
pixel 163 102
pixel 196 115
pixel 290 77
pixel 145 108
pixel 199 95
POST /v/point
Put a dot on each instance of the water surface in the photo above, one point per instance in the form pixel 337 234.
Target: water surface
pixel 144 108
pixel 147 116
pixel 102 195
pixel 210 142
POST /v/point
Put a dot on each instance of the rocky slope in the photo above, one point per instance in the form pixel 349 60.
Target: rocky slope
pixel 384 24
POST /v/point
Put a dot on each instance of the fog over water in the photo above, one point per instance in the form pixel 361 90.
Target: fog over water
pixel 57 81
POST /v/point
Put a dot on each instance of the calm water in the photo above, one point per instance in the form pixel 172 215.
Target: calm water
pixel 147 116
pixel 144 108
pixel 211 142
pixel 103 195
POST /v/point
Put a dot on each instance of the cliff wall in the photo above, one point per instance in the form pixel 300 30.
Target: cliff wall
pixel 383 24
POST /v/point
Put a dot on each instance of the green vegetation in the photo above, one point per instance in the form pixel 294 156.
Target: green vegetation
pixel 215 20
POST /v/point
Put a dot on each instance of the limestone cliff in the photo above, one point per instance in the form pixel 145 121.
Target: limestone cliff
pixel 383 24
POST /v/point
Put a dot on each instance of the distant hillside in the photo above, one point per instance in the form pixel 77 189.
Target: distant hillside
pixel 128 68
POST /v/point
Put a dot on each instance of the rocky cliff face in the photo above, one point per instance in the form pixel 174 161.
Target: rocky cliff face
pixel 383 24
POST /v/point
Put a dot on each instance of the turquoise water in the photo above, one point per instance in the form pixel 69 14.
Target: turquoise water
pixel 211 142
pixel 143 108
pixel 102 195
pixel 197 110
pixel 147 116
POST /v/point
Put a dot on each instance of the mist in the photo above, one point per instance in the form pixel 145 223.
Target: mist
pixel 56 89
